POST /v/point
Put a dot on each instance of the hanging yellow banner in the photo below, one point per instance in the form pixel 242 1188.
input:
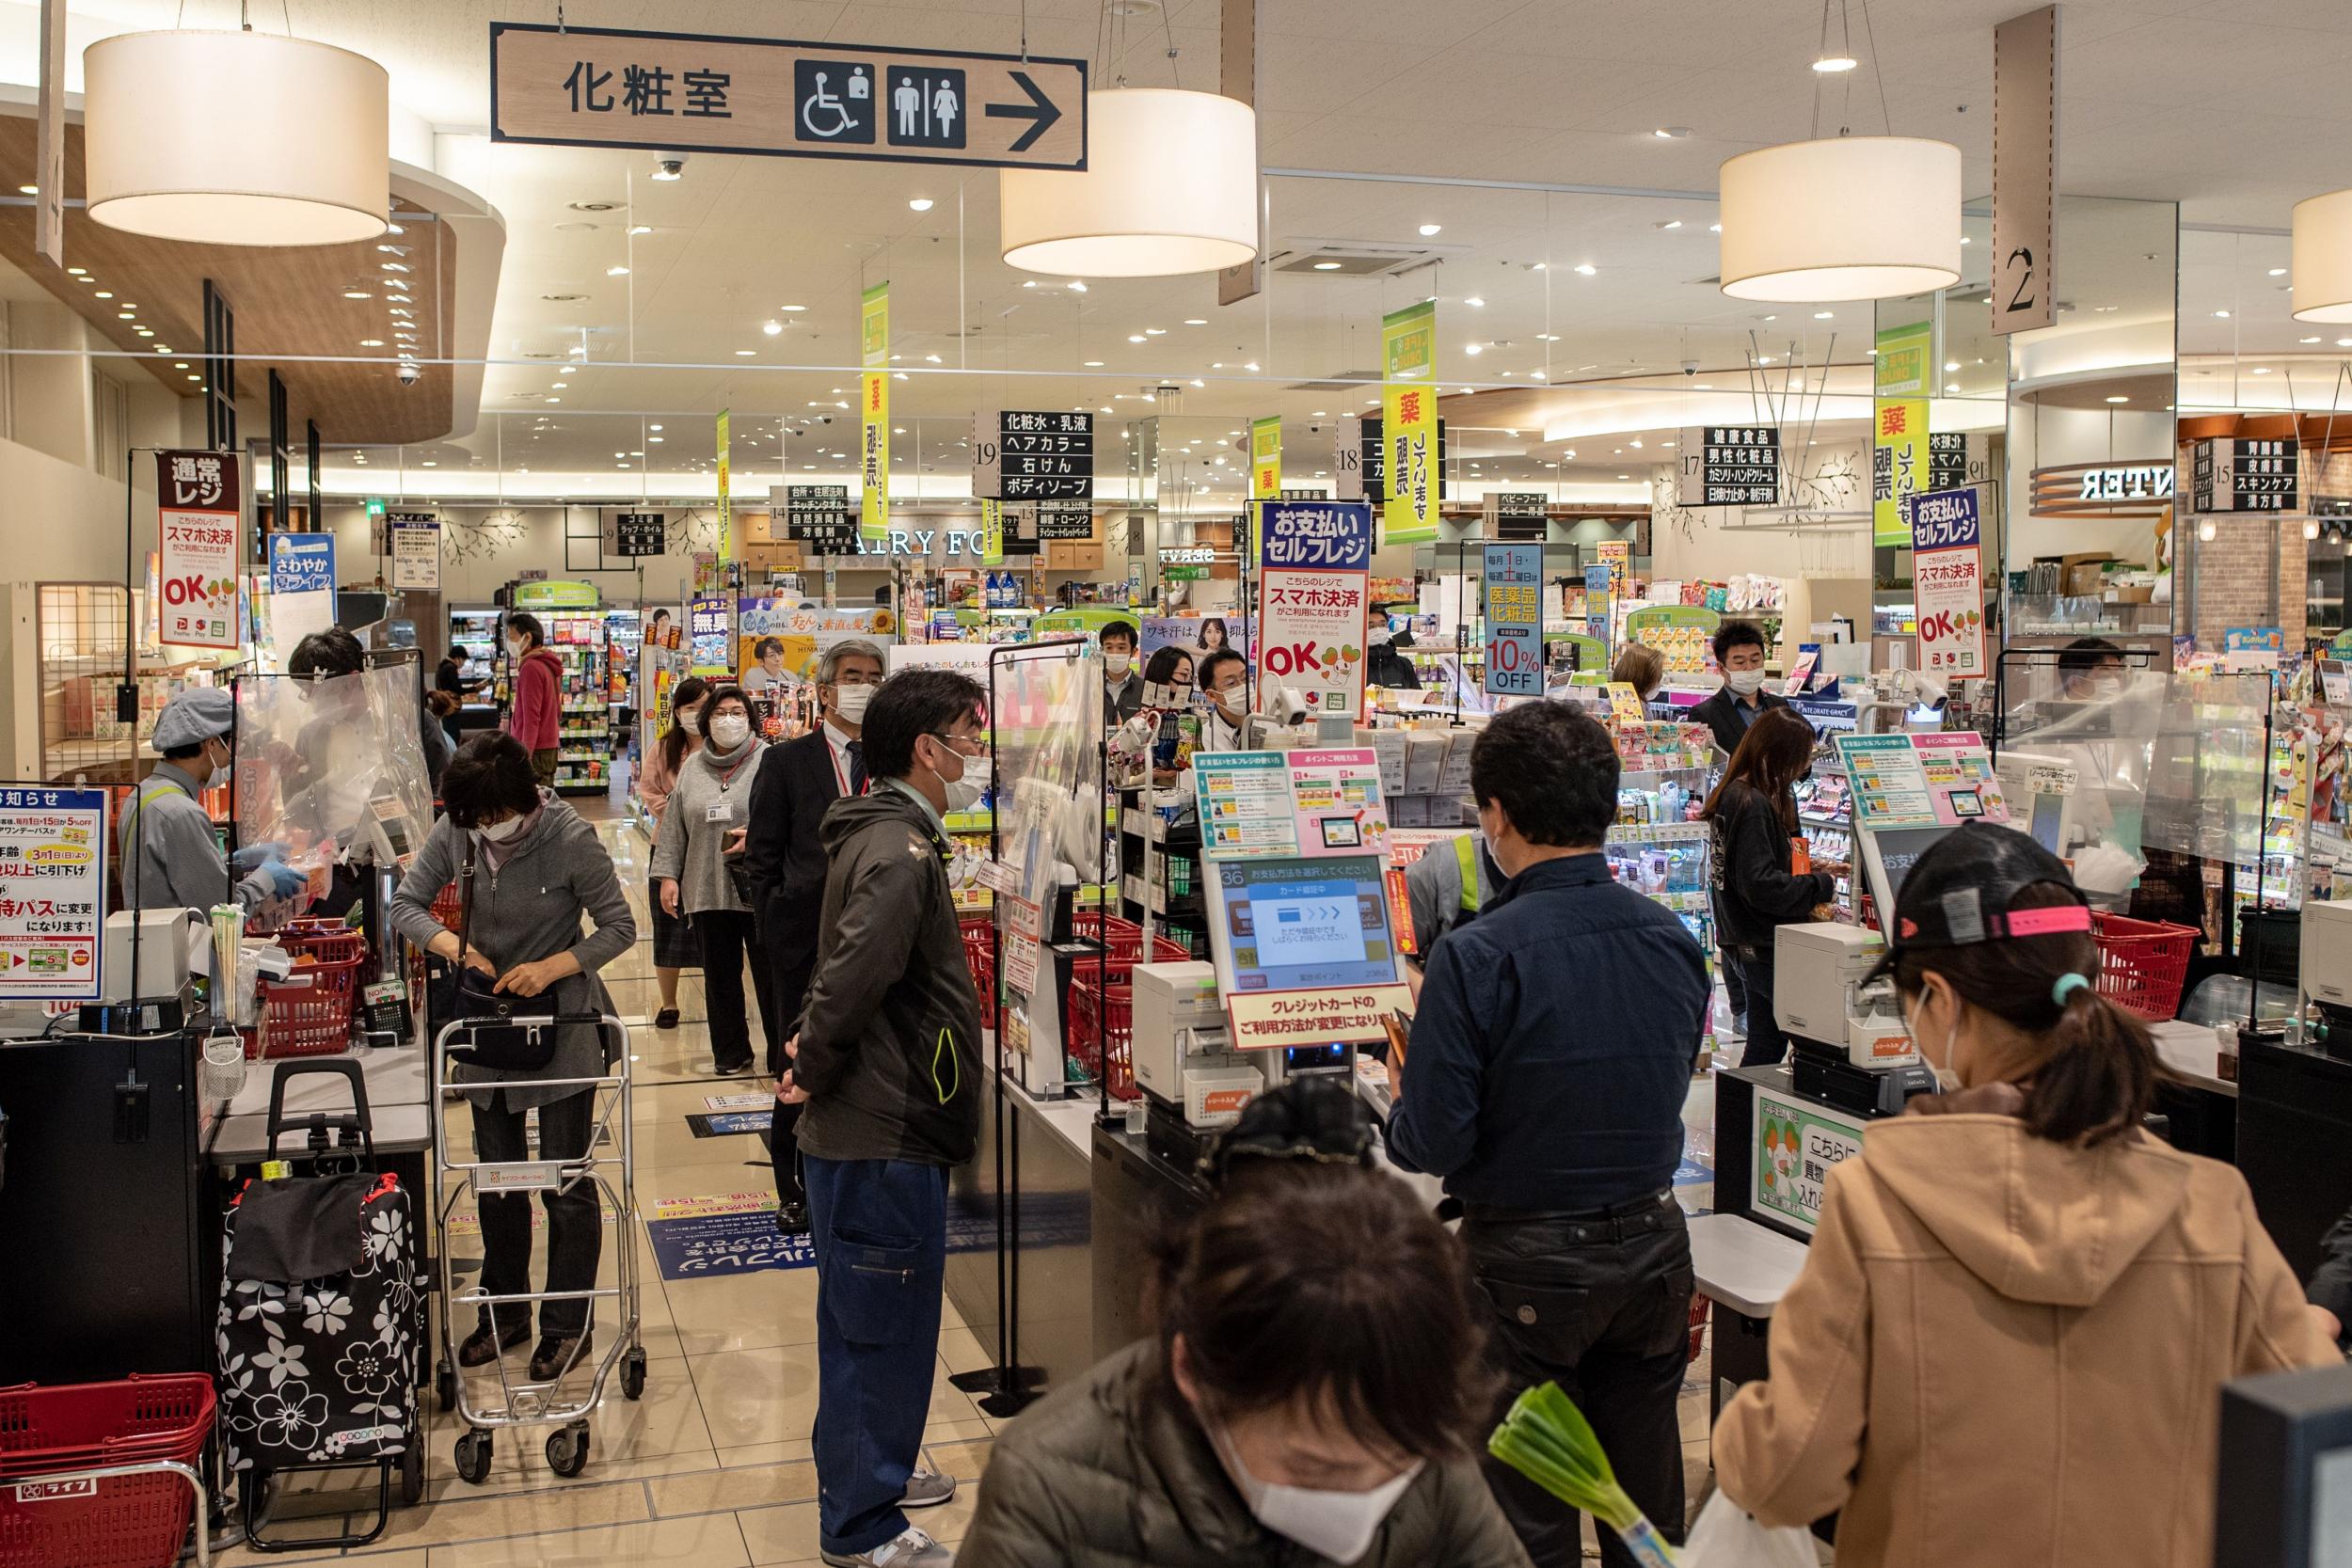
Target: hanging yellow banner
pixel 1899 455
pixel 1265 458
pixel 992 532
pixel 874 413
pixel 1408 425
pixel 726 503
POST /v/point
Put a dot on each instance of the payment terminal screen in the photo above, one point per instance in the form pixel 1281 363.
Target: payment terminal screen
pixel 1296 924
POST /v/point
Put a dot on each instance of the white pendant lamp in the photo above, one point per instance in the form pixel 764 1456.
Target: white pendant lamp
pixel 1844 217
pixel 2322 258
pixel 1170 186
pixel 237 138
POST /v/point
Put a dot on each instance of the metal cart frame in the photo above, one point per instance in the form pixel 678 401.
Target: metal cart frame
pixel 523 1402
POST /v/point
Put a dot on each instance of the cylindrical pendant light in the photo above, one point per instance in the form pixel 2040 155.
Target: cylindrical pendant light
pixel 1170 186
pixel 2322 258
pixel 237 138
pixel 1845 218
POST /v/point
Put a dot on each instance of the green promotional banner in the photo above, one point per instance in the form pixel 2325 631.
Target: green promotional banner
pixel 874 412
pixel 1265 458
pixel 1899 455
pixel 1408 427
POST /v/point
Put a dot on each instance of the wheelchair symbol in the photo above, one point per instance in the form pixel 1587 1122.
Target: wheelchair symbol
pixel 826 116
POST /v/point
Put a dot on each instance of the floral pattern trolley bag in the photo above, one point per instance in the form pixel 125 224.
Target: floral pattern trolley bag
pixel 318 1314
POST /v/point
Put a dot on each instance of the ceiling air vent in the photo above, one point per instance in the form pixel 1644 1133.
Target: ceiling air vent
pixel 1354 258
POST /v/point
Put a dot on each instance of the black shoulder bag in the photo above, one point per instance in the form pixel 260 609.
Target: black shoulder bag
pixel 526 1043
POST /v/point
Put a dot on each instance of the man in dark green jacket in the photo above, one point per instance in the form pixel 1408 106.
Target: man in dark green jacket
pixel 886 1057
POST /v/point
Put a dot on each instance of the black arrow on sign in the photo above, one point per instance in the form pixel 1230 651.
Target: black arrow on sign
pixel 1039 109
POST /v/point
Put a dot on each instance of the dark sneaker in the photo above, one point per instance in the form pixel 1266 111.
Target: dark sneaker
pixel 665 1018
pixel 927 1487
pixel 792 1218
pixel 733 1069
pixel 482 1346
pixel 554 1356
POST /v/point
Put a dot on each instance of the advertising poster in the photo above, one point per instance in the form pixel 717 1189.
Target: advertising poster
pixel 301 587
pixel 1313 558
pixel 1408 425
pixel 1899 455
pixel 1265 458
pixel 727 498
pixel 1796 1143
pixel 1920 781
pixel 874 411
pixel 1617 555
pixel 197 523
pixel 1514 620
pixel 416 552
pixel 710 628
pixel 1246 806
pixel 1201 634
pixel 53 894
pixel 1948 576
pixel 806 630
pixel 1599 602
pixel 1336 798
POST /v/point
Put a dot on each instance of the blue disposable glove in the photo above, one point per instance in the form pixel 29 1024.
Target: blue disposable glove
pixel 252 855
pixel 285 881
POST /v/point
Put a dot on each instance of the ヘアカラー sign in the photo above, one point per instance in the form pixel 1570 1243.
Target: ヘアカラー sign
pixel 690 92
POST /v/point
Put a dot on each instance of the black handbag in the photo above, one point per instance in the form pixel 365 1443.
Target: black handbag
pixel 510 1033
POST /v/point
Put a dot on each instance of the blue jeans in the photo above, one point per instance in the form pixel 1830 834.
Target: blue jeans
pixel 880 1228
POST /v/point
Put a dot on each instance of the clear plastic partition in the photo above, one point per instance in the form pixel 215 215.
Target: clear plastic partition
pixel 2084 745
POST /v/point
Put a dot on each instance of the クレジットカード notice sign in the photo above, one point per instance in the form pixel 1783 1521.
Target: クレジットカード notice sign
pixel 686 92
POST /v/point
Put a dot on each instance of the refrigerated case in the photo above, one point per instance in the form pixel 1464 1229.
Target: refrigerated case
pixel 473 641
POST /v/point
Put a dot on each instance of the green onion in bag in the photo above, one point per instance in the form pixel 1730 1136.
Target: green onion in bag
pixel 1548 1440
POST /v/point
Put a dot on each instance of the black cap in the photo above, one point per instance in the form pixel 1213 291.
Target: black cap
pixel 1315 1118
pixel 1960 893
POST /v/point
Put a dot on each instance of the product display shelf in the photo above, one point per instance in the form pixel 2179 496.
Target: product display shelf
pixel 590 739
pixel 474 637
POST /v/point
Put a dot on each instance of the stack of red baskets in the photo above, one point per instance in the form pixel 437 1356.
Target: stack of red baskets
pixel 1113 1021
pixel 120 1522
pixel 2143 963
pixel 980 955
pixel 311 1018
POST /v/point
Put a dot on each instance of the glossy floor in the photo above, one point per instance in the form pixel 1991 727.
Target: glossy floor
pixel 712 1467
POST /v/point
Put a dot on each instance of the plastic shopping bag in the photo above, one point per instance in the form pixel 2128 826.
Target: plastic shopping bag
pixel 1727 1536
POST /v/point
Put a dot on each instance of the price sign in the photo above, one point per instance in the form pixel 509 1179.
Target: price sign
pixel 1514 620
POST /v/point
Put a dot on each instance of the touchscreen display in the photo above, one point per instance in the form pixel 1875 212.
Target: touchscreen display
pixel 1298 925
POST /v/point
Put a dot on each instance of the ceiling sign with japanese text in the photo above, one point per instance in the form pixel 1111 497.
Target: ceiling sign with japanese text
pixel 687 92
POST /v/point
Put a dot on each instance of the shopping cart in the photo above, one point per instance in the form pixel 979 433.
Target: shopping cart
pixel 557 1402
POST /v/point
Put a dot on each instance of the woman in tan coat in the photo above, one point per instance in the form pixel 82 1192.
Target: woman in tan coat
pixel 2005 1346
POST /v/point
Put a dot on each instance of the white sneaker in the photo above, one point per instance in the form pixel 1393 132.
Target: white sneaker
pixel 910 1548
pixel 928 1486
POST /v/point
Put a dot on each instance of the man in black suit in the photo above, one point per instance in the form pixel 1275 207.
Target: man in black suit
pixel 786 863
pixel 1739 649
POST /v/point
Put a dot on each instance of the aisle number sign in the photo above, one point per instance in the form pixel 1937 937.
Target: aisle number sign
pixel 1265 458
pixel 1899 455
pixel 53 894
pixel 1408 425
pixel 1514 620
pixel 874 412
pixel 197 523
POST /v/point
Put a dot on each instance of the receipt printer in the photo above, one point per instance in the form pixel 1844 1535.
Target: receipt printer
pixel 1820 999
pixel 1183 1050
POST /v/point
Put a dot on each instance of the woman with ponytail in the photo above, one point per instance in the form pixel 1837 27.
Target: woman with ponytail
pixel 2008 1338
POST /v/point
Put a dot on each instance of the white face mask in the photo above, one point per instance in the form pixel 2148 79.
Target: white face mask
pixel 687 719
pixel 1947 1076
pixel 729 730
pixel 499 832
pixel 1115 666
pixel 966 790
pixel 849 702
pixel 1744 683
pixel 515 648
pixel 1335 1525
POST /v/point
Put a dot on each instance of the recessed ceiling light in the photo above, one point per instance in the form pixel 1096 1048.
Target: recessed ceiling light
pixel 105 294
pixel 2278 272
pixel 371 342
pixel 2306 340
pixel 2262 370
pixel 1824 315
pixel 1195 321
pixel 2222 315
pixel 429 463
pixel 1829 65
pixel 1094 364
pixel 555 400
pixel 920 204
pixel 656 440
pixel 1474 301
pixel 1585 269
pixel 356 291
pixel 617 271
pixel 1714 228
pixel 1966 240
pixel 1951 385
pixel 1135 336
pixel 771 326
pixel 1327 266
pixel 146 331
pixel 2119 398
pixel 653 427
pixel 1671 132
pixel 1426 229
pixel 395 266
pixel 1669 223
pixel 791 309
pixel 745 352
pixel 180 365
pixel 1252 367
pixel 1473 348
pixel 29 190
pixel 642 228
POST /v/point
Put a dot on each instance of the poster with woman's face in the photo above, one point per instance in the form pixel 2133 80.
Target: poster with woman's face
pixel 1200 635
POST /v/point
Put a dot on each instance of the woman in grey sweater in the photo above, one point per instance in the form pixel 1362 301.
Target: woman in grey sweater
pixel 538 868
pixel 708 809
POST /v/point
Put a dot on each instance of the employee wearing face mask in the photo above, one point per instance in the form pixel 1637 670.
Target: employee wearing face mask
pixel 887 1058
pixel 538 868
pixel 784 860
pixel 1122 687
pixel 1973 1323
pixel 1314 1395
pixel 1225 687
pixel 170 855
pixel 710 800
pixel 1549 1058
pixel 1739 649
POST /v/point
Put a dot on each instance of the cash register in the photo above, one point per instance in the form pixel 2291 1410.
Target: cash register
pixel 1851 1048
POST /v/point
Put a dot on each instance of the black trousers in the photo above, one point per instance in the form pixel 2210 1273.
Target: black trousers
pixel 1735 991
pixel 790 985
pixel 728 936
pixel 575 1217
pixel 1766 1042
pixel 1600 1303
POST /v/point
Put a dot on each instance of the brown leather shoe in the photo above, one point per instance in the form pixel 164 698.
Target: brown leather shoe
pixel 482 1346
pixel 554 1356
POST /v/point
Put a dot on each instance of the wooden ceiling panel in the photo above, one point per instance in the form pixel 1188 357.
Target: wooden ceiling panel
pixel 291 313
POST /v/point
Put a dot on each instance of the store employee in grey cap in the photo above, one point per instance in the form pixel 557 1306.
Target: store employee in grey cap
pixel 171 857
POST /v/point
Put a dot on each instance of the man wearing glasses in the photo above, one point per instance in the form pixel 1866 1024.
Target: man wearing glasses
pixel 785 862
pixel 886 1067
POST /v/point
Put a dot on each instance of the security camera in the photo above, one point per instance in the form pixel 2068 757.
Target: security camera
pixel 410 375
pixel 1315 430
pixel 669 168
pixel 1689 367
pixel 824 418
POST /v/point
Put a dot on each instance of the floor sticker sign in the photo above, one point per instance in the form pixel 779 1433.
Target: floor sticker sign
pixel 719 1124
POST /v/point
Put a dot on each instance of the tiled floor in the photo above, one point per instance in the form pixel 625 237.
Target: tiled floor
pixel 712 1467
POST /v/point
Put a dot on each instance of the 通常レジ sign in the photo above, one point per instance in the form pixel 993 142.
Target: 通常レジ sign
pixel 198 526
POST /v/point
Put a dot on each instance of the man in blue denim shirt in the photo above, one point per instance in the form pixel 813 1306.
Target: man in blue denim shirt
pixel 1544 1082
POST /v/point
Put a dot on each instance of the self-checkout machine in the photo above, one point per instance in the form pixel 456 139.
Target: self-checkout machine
pixel 1303 917
pixel 1779 1129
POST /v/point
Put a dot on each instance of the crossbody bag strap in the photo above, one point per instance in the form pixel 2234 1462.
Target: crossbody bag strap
pixel 465 902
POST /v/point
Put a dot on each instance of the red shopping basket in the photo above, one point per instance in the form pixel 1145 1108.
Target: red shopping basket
pixel 2142 964
pixel 313 1019
pixel 449 907
pixel 1117 1066
pixel 117 1522
pixel 980 954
